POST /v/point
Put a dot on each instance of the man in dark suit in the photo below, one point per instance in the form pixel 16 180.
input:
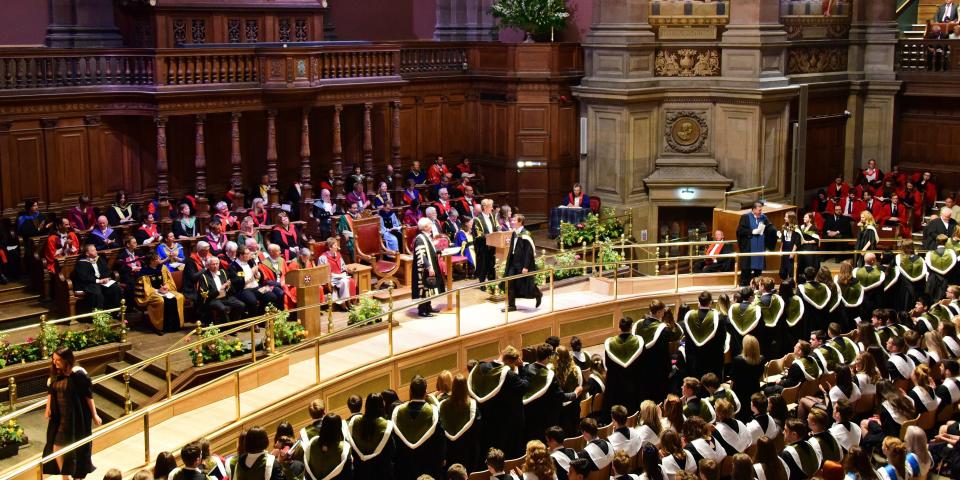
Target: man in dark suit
pixel 944 225
pixel 836 226
pixel 544 398
pixel 94 277
pixel 711 264
pixel 215 291
pixel 755 234
pixel 946 13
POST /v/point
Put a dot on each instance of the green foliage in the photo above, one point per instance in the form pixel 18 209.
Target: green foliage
pixel 538 17
pixel 595 229
pixel 11 433
pixel 49 338
pixel 102 332
pixel 216 349
pixel 285 332
pixel 367 308
pixel 608 255
pixel 103 329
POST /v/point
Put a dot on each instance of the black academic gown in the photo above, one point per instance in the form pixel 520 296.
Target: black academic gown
pixel 501 406
pixel 423 455
pixel 79 462
pixel 621 354
pixel 654 364
pixel 372 454
pixel 543 400
pixel 100 296
pixel 461 426
pixel 704 353
pixel 522 255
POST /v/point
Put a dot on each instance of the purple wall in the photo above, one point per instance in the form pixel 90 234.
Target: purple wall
pixel 24 22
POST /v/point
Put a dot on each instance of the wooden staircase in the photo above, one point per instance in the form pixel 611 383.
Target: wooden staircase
pixel 109 396
pixel 19 306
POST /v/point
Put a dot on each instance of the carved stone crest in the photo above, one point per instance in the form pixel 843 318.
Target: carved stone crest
pixel 686 132
pixel 816 60
pixel 687 62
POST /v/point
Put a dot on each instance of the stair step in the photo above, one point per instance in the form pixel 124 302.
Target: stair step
pixel 109 409
pixel 157 368
pixel 17 296
pixel 145 381
pixel 113 389
pixel 22 311
pixel 13 286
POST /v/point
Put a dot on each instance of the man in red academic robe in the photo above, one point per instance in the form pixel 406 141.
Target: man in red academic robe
pixel 928 189
pixel 838 189
pixel 466 203
pixel 273 267
pixel 437 171
pixel 286 235
pixel 898 214
pixel 850 206
pixel 443 204
pixel 60 244
pixel 875 207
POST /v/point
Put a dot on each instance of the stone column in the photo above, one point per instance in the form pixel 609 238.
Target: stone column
pixel 82 24
pixel 337 153
pixel 163 189
pixel 464 20
pixel 619 50
pixel 200 164
pixel 306 187
pixel 395 143
pixel 236 160
pixel 753 44
pixel 274 194
pixel 368 146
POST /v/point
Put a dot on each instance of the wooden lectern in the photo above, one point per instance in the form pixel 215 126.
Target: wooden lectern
pixel 309 283
pixel 499 241
pixel 727 221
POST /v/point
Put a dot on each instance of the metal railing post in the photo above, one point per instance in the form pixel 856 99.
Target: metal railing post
pixel 253 343
pixel 552 291
pixel 616 281
pixel 390 337
pixel 147 458
pixel 458 313
pixel 43 345
pixel 390 304
pixel 329 315
pixel 236 392
pixel 12 393
pixel 271 340
pixel 583 256
pixel 123 316
pixel 199 332
pixel 676 276
pixel 168 376
pixel 316 354
pixel 506 301
pixel 127 403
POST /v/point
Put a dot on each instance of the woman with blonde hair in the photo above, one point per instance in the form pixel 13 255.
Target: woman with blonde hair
pixel 922 395
pixel 569 376
pixel 444 384
pixel 867 374
pixel 850 292
pixel 900 464
pixel 650 423
pixel 935 347
pixel 538 465
pixel 916 441
pixel 745 373
pixel 868 238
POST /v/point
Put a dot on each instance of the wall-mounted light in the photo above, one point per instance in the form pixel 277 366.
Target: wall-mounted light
pixel 687 193
pixel 530 164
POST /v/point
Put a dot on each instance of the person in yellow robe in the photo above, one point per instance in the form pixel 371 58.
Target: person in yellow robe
pixel 157 293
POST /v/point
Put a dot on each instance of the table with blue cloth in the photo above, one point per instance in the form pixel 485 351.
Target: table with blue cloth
pixel 565 215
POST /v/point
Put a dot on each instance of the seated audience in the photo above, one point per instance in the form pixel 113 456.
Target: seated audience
pixel 103 236
pixel 710 264
pixel 62 243
pixel 121 212
pixel 576 198
pixel 82 217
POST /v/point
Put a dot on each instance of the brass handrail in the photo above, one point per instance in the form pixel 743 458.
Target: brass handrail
pixel 903 6
pixel 61 320
pixel 142 413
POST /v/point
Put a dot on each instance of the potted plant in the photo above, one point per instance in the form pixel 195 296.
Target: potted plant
pixel 367 308
pixel 534 17
pixel 11 437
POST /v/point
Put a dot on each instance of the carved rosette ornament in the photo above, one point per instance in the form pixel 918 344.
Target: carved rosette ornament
pixel 687 62
pixel 686 132
pixel 816 60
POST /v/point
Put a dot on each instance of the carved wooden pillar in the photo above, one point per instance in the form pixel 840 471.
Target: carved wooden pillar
pixel 337 152
pixel 306 187
pixel 274 195
pixel 236 160
pixel 200 164
pixel 163 189
pixel 368 145
pixel 395 144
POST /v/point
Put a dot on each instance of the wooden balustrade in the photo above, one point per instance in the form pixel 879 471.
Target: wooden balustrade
pixel 339 64
pixel 20 70
pixel 192 67
pixel 416 60
pixel 928 56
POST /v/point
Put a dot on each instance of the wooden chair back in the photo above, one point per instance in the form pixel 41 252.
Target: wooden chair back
pixel 367 240
pixel 576 443
pixel 602 474
pixel 907 424
pixel 791 395
pixel 773 367
pixel 484 475
pixel 605 431
pixel 947 413
pixel 586 407
pixel 865 404
pixel 927 420
pixel 510 465
pixel 409 234
pixel 633 420
pixel 808 388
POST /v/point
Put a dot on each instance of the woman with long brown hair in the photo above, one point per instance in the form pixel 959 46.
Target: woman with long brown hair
pixel 460 420
pixel 569 376
pixel 538 465
pixel 70 413
pixel 769 466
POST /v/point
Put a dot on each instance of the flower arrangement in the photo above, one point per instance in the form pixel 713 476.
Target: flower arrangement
pixel 286 332
pixel 216 349
pixel 367 308
pixel 102 332
pixel 603 228
pixel 535 17
pixel 12 435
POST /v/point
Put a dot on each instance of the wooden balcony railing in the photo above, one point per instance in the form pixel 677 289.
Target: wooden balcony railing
pixel 43 68
pixel 202 67
pixel 441 59
pixel 928 57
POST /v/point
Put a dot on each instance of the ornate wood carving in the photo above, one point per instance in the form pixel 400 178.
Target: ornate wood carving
pixel 200 158
pixel 272 157
pixel 306 187
pixel 816 60
pixel 368 145
pixel 162 168
pixel 395 143
pixel 236 174
pixel 337 151
pixel 687 62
